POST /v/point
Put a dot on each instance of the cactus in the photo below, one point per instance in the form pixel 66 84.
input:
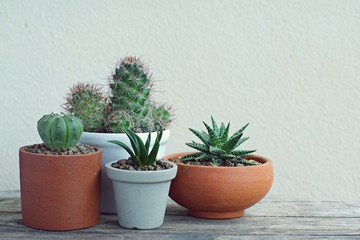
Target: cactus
pixel 161 116
pixel 60 130
pixel 130 87
pixel 87 102
pixel 118 121
pixel 128 107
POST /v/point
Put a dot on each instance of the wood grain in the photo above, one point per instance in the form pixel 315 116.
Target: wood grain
pixel 269 219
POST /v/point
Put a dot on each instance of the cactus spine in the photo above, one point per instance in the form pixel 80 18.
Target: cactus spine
pixel 60 130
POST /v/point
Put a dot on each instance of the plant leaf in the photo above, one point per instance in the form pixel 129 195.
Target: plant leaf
pixel 230 144
pixel 242 152
pixel 198 146
pixel 215 127
pixel 123 145
pixel 241 140
pixel 147 144
pixel 133 141
pixel 190 156
pixel 212 135
pixel 203 136
pixel 155 149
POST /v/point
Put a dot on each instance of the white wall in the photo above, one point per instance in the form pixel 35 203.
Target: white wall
pixel 290 68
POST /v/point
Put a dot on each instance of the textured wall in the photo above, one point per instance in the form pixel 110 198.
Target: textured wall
pixel 290 68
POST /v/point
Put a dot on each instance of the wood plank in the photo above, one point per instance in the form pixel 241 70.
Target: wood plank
pixel 270 219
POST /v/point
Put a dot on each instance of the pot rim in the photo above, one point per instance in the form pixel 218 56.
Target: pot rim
pixel 108 165
pixel 263 160
pixel 22 149
pixel 111 133
pixel 121 175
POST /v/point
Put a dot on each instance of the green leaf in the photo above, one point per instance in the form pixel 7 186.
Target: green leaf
pixel 230 144
pixel 215 126
pixel 242 152
pixel 190 156
pixel 198 146
pixel 147 144
pixel 204 137
pixel 217 151
pixel 123 145
pixel 212 135
pixel 133 141
pixel 155 149
pixel 205 156
pixel 241 140
pixel 225 134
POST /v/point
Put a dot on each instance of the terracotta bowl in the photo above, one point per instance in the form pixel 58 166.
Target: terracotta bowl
pixel 220 192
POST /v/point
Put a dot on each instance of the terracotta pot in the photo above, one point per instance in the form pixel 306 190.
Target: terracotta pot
pixel 60 192
pixel 220 192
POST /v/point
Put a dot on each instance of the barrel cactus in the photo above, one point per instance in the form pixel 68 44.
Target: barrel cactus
pixel 60 130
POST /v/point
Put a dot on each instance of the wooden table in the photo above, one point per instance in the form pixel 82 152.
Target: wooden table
pixel 269 219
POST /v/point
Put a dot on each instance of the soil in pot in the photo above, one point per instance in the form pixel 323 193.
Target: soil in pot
pixel 226 163
pixel 128 164
pixel 77 150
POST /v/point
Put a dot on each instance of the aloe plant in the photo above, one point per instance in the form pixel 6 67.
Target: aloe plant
pixel 217 146
pixel 140 152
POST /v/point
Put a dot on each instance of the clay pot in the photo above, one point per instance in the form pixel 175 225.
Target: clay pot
pixel 220 192
pixel 60 192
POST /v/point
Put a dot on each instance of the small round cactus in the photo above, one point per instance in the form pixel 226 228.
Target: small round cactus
pixel 60 130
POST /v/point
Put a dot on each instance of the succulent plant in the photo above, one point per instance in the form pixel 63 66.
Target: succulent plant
pixel 130 87
pixel 86 101
pixel 217 146
pixel 118 121
pixel 60 130
pixel 161 116
pixel 141 153
pixel 127 106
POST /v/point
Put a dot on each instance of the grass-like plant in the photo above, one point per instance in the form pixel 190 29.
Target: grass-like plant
pixel 141 153
pixel 217 146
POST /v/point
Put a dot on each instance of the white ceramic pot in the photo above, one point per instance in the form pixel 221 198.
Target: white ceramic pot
pixel 141 196
pixel 112 152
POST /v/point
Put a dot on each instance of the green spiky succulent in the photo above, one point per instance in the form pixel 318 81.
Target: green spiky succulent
pixel 118 121
pixel 60 130
pixel 86 101
pixel 130 87
pixel 140 152
pixel 127 106
pixel 217 146
pixel 161 116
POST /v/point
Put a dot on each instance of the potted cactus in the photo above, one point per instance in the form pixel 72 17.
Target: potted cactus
pixel 218 181
pixel 60 179
pixel 141 183
pixel 127 106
